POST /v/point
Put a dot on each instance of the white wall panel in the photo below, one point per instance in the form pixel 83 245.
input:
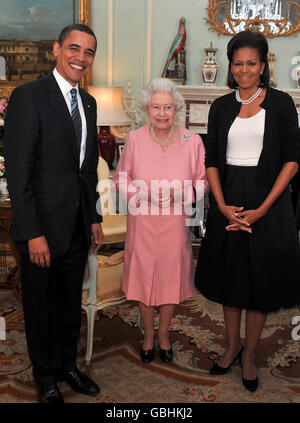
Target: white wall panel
pixel 140 32
pixel 99 23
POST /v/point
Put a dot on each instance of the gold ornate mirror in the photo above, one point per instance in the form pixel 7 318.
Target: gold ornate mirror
pixel 274 18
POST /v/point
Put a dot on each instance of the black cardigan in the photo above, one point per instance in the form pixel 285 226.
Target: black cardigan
pixel 281 141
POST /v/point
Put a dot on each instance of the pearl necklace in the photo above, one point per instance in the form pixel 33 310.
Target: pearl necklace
pixel 157 140
pixel 253 97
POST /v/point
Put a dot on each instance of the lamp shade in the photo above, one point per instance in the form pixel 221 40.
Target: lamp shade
pixel 110 110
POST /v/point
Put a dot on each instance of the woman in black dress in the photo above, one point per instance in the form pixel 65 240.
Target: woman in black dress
pixel 250 256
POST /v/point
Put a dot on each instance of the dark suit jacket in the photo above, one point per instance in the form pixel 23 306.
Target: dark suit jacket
pixel 281 141
pixel 45 183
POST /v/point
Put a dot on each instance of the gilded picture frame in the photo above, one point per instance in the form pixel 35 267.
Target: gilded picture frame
pixel 274 18
pixel 81 13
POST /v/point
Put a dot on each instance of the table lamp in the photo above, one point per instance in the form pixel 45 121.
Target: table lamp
pixel 110 114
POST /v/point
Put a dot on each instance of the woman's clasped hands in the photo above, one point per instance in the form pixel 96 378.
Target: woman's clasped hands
pixel 240 219
pixel 166 196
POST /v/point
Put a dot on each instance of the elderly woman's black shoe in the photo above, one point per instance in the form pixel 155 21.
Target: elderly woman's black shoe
pixel 166 355
pixel 218 370
pixel 147 355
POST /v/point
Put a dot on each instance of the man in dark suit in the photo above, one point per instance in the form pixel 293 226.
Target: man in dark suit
pixel 51 158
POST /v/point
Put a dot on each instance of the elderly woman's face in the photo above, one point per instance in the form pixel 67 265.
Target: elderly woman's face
pixel 246 67
pixel 161 110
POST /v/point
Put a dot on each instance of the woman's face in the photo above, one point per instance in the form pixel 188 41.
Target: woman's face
pixel 161 110
pixel 246 67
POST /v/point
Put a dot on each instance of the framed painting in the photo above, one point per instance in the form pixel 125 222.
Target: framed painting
pixel 28 29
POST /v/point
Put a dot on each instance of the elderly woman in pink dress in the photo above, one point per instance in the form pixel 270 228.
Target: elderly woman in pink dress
pixel 160 165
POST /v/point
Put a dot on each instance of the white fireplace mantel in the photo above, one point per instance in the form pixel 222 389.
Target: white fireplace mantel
pixel 198 99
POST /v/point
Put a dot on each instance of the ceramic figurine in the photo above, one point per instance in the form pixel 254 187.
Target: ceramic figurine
pixel 175 67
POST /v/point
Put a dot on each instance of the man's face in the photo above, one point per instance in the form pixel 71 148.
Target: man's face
pixel 75 56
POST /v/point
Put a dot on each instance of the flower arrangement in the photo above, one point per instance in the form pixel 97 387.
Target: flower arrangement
pixel 2 167
pixel 3 107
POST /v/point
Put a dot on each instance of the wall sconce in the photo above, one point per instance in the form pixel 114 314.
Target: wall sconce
pixel 110 116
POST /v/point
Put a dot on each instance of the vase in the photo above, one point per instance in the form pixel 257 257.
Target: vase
pixel 3 186
pixel 298 76
pixel 210 69
pixel 107 145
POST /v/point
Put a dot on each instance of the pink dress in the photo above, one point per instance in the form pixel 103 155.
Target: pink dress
pixel 158 264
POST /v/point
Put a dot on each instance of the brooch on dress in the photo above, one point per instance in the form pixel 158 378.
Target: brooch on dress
pixel 186 137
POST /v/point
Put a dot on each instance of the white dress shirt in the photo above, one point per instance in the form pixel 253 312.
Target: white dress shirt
pixel 245 140
pixel 65 88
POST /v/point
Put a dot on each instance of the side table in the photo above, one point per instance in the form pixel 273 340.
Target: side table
pixel 9 258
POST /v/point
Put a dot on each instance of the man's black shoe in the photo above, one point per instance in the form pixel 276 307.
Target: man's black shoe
pixel 48 393
pixel 80 382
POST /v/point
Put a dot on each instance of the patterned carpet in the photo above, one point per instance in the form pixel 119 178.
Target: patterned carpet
pixel 197 337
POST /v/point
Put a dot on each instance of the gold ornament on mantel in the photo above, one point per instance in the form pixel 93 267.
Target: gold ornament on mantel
pixel 276 18
pixel 272 60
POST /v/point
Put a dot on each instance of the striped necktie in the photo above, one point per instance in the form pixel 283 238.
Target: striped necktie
pixel 76 116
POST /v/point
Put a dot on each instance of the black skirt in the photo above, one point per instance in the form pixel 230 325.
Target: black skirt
pixel 258 271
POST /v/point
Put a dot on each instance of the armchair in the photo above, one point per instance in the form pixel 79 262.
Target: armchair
pixel 102 286
pixel 114 225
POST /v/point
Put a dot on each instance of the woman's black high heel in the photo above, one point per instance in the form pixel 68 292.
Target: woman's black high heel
pixel 147 355
pixel 166 355
pixel 218 370
pixel 250 384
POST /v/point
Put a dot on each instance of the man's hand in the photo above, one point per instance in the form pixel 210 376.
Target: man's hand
pixel 39 251
pixel 97 237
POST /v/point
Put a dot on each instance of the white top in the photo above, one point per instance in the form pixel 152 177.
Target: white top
pixel 245 140
pixel 65 88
